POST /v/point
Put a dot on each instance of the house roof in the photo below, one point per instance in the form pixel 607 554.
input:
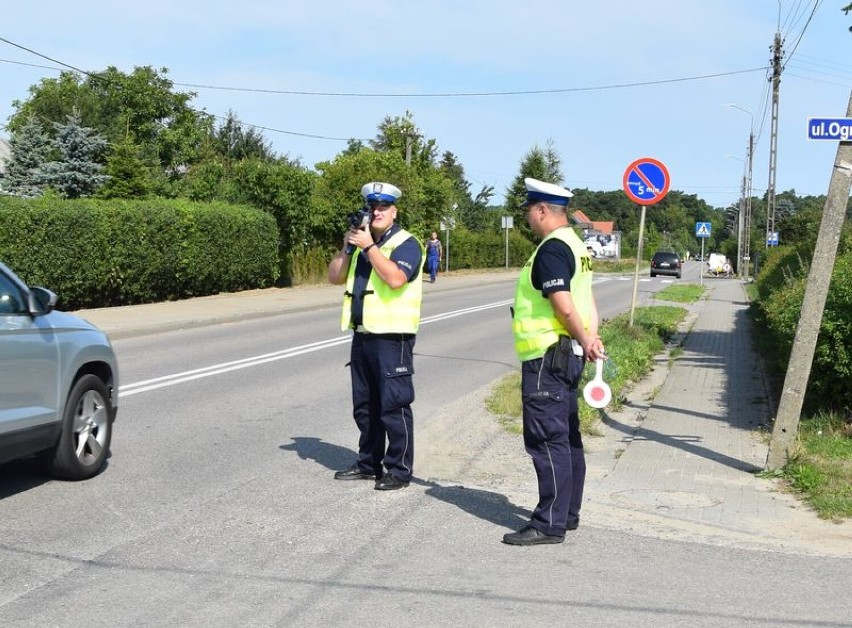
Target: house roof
pixel 602 226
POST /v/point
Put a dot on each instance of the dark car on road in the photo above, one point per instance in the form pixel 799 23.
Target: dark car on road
pixel 666 263
pixel 58 383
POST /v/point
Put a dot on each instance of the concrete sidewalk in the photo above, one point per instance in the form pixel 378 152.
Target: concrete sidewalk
pixel 687 448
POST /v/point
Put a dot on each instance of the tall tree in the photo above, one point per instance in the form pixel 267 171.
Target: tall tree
pixel 235 141
pixel 77 172
pixel 129 174
pixel 400 135
pixel 472 211
pixel 353 147
pixel 30 148
pixel 141 104
pixel 542 164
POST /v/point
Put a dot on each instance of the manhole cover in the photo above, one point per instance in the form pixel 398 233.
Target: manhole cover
pixel 665 499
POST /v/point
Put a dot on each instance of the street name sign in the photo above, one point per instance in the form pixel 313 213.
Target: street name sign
pixel 830 129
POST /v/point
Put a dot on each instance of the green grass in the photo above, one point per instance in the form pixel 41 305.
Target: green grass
pixel 681 293
pixel 821 470
pixel 631 352
pixel 624 266
pixel 505 402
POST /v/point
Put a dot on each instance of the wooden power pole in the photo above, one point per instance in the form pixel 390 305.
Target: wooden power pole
pixel 785 430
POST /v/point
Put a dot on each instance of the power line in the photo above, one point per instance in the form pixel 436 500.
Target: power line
pixel 801 34
pixel 843 67
pixel 474 94
pixel 412 95
pixel 817 80
pixel 38 54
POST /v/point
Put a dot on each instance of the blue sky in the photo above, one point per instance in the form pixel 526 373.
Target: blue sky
pixel 384 57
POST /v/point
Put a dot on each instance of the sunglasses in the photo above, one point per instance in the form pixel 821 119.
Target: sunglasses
pixel 379 204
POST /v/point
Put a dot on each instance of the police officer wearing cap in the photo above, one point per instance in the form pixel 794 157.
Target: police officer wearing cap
pixel 382 269
pixel 555 325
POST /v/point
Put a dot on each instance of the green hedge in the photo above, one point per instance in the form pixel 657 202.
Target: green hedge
pixel 97 253
pixel 467 249
pixel 781 288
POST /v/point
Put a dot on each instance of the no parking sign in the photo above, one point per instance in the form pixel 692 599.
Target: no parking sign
pixel 646 181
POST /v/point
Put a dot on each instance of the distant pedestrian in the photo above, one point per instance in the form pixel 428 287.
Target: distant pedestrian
pixel 434 255
pixel 555 324
pixel 382 267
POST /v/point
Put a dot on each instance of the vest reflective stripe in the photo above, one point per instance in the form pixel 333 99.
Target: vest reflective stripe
pixel 386 311
pixel 534 324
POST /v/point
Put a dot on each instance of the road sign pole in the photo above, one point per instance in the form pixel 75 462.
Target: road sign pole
pixel 638 261
pixel 646 181
pixel 701 268
pixel 507 248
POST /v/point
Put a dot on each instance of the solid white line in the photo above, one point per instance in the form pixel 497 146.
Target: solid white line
pixel 235 365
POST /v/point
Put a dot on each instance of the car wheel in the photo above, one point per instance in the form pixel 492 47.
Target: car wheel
pixel 653 274
pixel 678 275
pixel 85 433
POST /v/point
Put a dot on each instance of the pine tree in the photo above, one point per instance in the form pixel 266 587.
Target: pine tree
pixel 129 176
pixel 76 173
pixel 539 163
pixel 30 148
pixel 542 164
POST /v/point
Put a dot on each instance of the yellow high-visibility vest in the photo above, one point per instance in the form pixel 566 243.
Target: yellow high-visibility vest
pixel 386 311
pixel 534 323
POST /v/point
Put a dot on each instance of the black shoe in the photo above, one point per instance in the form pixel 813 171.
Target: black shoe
pixel 389 483
pixel 530 536
pixel 354 473
pixel 573 525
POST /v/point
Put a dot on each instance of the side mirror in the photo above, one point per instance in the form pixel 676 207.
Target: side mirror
pixel 41 301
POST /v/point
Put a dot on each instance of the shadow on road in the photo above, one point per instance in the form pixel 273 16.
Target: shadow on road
pixel 489 506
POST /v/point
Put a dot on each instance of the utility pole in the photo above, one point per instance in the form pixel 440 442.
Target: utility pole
pixel 785 430
pixel 773 138
pixel 744 246
pixel 740 227
pixel 749 193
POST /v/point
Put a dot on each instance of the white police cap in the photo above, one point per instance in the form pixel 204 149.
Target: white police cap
pixel 546 192
pixel 378 191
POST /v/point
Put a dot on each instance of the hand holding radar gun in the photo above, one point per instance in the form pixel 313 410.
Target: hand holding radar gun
pixel 597 392
pixel 358 220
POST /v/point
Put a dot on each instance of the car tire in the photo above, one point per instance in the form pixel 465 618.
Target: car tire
pixel 678 275
pixel 653 274
pixel 86 432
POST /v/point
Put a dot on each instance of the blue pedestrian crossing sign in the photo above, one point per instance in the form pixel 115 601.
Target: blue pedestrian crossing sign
pixel 702 229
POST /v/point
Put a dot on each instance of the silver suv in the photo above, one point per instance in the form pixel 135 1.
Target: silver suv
pixel 58 383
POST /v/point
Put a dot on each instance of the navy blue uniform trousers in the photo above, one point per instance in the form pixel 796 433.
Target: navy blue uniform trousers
pixel 552 438
pixel 382 368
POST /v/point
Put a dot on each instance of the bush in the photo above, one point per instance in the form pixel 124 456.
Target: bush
pixel 468 249
pixel 97 253
pixel 781 292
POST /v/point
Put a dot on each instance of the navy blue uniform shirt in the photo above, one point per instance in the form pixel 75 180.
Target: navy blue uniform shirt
pixel 553 267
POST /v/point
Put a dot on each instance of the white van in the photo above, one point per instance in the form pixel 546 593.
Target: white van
pixel 717 264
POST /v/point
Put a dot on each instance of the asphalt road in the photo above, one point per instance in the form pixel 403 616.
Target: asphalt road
pixel 218 507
